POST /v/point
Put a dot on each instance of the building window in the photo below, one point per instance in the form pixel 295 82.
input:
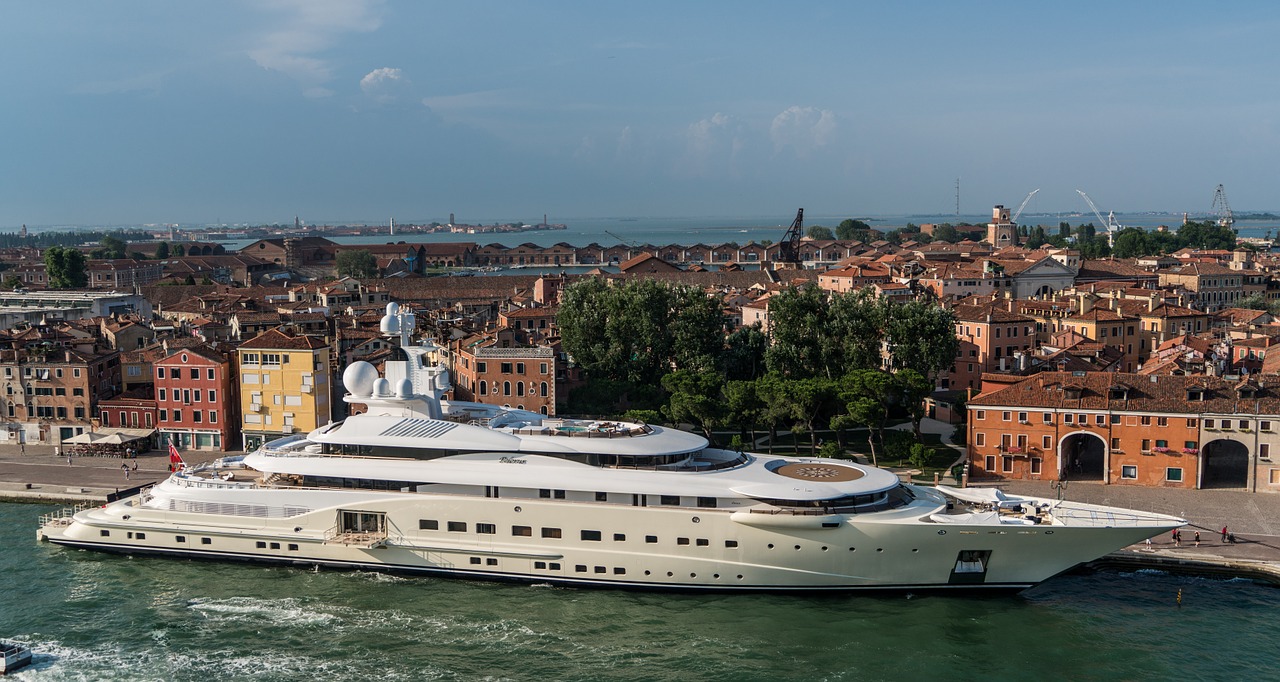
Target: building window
pixel 1006 465
pixel 162 394
pixel 1208 423
pixel 1193 423
pixel 1129 471
pixel 1046 442
pixel 1264 451
pixel 989 463
pixel 1162 421
pixel 1006 416
pixel 1067 418
pixel 1173 474
pixel 159 372
pixel 980 439
pixel 1047 417
pixel 1035 466
pixel 1244 425
pixel 981 414
pixel 1146 420
pixel 1022 416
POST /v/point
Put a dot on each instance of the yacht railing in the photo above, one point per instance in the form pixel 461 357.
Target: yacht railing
pixel 256 511
pixel 63 517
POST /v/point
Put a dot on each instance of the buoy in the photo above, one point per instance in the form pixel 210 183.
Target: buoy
pixel 1179 596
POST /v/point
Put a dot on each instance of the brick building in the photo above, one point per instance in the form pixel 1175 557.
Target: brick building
pixel 1129 429
pixel 494 370
pixel 196 399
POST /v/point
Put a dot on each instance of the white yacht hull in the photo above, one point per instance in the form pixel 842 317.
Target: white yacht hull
pixel 639 547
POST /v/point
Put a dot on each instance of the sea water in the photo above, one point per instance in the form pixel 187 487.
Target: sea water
pixel 92 616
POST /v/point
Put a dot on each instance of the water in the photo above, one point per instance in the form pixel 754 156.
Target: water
pixel 93 616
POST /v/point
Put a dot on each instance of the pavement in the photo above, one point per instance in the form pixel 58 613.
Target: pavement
pixel 35 473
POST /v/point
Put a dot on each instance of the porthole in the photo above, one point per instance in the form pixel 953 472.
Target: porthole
pixel 715 575
pixel 853 549
pixel 739 577
pixel 914 551
pixel 697 520
pixel 517 510
pixel 670 574
pixel 693 575
pixel 770 545
pixel 880 549
pixel 646 572
pixel 942 532
pixel 797 548
pixel 824 548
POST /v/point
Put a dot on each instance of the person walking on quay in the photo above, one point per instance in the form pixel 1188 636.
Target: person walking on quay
pixel 1197 538
pixel 1224 533
pixel 125 469
pixel 1177 538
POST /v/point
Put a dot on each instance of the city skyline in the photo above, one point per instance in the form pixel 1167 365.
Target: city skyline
pixel 141 112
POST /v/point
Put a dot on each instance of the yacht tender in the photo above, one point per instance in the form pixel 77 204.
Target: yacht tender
pixel 419 484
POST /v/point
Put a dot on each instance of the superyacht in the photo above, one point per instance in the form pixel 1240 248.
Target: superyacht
pixel 419 484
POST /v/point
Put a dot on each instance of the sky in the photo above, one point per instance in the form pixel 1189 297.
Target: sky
pixel 143 112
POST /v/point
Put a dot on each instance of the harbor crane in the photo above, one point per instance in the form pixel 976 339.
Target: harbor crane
pixel 789 247
pixel 1225 217
pixel 1023 205
pixel 1109 224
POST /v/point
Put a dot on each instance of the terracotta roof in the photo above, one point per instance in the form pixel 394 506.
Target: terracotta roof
pixel 1153 393
pixel 274 338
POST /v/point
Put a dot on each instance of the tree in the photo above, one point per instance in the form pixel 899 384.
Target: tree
pixel 113 246
pixel 810 400
pixel 11 282
pixel 190 280
pixel 866 394
pixel 1037 237
pixel 639 331
pixel 921 336
pixel 946 232
pixel 914 388
pixel 743 355
pixel 162 251
pixel 359 264
pixel 743 407
pixel 853 230
pixel 798 319
pixel 1131 242
pixel 65 267
pixel 695 397
pixel 819 232
pixel 178 251
pixel 1253 302
pixel 855 331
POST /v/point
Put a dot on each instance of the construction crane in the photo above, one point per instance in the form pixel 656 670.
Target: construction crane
pixel 789 247
pixel 1022 206
pixel 1109 224
pixel 1225 217
pixel 624 240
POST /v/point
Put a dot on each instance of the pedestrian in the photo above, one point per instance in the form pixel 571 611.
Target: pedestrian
pixel 135 468
pixel 68 460
pixel 125 469
pixel 1149 544
pixel 1197 538
pixel 1224 533
pixel 1177 540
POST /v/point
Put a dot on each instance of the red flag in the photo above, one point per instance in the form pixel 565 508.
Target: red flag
pixel 175 458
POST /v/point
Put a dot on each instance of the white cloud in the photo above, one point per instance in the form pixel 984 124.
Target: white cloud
pixel 802 129
pixel 308 27
pixel 384 85
pixel 377 77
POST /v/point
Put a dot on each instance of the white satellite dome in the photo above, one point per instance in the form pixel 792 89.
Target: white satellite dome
pixel 381 388
pixel 359 378
pixel 405 389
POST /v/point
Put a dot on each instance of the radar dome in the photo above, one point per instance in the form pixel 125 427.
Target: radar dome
pixel 358 378
pixel 381 388
pixel 405 389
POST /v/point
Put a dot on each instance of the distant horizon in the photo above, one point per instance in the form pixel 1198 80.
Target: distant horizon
pixel 728 220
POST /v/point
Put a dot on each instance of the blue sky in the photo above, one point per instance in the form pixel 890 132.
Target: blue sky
pixel 136 112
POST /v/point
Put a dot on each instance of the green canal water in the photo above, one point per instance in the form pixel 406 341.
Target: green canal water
pixel 91 616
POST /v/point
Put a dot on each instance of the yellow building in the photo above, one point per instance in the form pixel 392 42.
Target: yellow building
pixel 284 386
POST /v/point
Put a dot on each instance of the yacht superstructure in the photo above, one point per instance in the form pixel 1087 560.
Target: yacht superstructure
pixel 420 484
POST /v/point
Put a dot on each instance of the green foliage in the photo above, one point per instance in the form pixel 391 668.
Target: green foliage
pixel 162 251
pixel 1036 237
pixel 1131 242
pixel 639 331
pixel 744 408
pixel 743 355
pixel 921 336
pixel 831 450
pixel 1206 235
pixel 359 264
pixel 642 416
pixel 1253 302
pixel 816 337
pixel 178 251
pixel 694 398
pixel 819 232
pixel 608 397
pixel 854 230
pixel 65 267
pixel 919 455
pixel 111 246
pixel 190 281
pixel 946 232
pixel 11 282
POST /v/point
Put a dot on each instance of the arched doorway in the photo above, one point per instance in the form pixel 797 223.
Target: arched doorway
pixel 1226 465
pixel 1082 456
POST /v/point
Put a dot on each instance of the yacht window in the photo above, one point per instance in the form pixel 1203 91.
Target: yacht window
pixel 550 532
pixel 619 571
pixel 673 500
pixel 292 547
pixel 105 533
pixel 475 560
pixel 559 494
pixel 619 537
pixel 540 564
pixel 591 535
pixel 703 542
pixel 544 492
pixel 261 545
pixel 457 526
pixel 554 566
pixel 275 545
pixel 486 528
pixel 180 538
pixel 602 497
pixel 682 541
pixel 491 562
pixel 600 569
pixel 142 536
pixel 651 539
pixel 731 544
pixel 428 524
pixel 206 541
pixel 580 568
pixel 706 502
pixel 522 531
